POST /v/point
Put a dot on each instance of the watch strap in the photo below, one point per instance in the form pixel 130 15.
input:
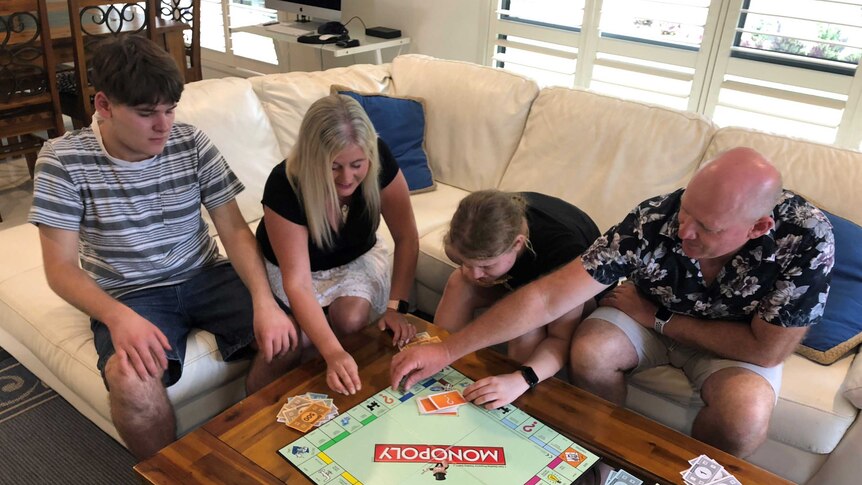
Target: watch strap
pixel 662 316
pixel 400 306
pixel 529 375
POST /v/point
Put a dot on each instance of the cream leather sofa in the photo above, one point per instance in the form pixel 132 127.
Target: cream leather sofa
pixel 485 128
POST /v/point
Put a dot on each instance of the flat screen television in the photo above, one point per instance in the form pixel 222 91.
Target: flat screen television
pixel 316 9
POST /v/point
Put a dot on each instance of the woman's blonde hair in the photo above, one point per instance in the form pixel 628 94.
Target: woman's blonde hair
pixel 331 125
pixel 487 223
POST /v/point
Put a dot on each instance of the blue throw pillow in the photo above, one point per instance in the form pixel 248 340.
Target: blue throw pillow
pixel 840 331
pixel 401 124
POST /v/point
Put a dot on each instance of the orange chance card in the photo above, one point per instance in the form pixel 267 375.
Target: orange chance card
pixel 447 399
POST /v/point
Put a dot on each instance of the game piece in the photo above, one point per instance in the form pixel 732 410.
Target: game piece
pixel 384 440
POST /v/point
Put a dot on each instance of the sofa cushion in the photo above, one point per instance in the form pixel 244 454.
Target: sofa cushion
pixel 237 115
pixel 853 383
pixel 604 154
pixel 286 97
pixel 475 116
pixel 827 176
pixel 400 122
pixel 841 328
pixel 60 337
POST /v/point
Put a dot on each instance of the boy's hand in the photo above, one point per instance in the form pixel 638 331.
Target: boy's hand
pixel 274 332
pixel 142 343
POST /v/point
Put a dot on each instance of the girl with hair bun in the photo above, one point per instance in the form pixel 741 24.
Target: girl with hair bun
pixel 502 241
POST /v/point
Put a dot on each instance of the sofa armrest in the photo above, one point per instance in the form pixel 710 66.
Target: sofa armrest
pixel 853 382
pixel 842 464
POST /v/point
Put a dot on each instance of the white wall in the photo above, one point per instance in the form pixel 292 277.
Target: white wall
pixel 448 29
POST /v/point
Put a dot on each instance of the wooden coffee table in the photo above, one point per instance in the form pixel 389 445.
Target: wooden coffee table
pixel 241 444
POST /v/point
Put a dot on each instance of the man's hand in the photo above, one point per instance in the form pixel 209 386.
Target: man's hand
pixel 342 375
pixel 496 391
pixel 402 330
pixel 142 343
pixel 417 363
pixel 274 332
pixel 628 300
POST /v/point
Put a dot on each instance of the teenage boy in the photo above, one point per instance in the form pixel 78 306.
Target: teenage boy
pixel 124 197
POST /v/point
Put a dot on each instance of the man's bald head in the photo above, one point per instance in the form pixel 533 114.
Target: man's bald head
pixel 740 181
pixel 728 202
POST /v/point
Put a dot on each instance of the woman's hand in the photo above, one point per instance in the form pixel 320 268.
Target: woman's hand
pixel 402 330
pixel 496 391
pixel 342 375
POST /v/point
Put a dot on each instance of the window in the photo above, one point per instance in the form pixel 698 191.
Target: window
pixel 241 50
pixel 675 23
pixel 539 38
pixel 825 35
pixel 785 66
pixel 648 49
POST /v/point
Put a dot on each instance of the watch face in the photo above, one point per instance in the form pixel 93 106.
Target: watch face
pixel 403 306
pixel 663 314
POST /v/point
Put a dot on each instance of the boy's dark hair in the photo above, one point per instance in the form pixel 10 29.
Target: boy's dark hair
pixel 132 70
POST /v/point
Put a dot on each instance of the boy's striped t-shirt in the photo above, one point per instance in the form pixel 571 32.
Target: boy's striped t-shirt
pixel 139 223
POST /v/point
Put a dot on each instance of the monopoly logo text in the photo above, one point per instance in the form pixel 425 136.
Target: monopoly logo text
pixel 454 455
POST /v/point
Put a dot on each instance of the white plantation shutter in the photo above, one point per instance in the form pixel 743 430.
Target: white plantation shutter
pixel 649 50
pixel 788 66
pixel 538 38
pixel 238 50
pixel 784 66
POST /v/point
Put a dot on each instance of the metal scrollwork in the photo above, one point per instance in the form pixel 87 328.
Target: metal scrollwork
pixel 116 20
pixel 21 71
pixel 179 10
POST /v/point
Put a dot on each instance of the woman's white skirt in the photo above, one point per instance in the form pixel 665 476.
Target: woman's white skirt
pixel 367 276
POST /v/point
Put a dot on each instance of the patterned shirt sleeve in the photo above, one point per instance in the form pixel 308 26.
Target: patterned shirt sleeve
pixel 56 199
pixel 618 253
pixel 614 255
pixel 806 256
pixel 218 183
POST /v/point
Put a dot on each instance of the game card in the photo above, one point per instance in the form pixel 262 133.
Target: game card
pixel 427 407
pixel 703 471
pixel 305 421
pixel 447 400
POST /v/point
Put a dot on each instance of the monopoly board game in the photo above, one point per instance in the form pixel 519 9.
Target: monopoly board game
pixel 385 440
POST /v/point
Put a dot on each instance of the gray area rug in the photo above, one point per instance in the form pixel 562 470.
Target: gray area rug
pixel 44 440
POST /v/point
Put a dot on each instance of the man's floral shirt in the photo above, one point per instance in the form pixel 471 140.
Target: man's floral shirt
pixel 783 275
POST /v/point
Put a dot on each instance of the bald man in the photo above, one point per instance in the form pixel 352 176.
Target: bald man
pixel 723 279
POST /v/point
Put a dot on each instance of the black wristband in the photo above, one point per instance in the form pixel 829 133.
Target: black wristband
pixel 529 376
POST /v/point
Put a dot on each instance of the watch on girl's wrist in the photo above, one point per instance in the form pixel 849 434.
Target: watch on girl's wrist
pixel 529 375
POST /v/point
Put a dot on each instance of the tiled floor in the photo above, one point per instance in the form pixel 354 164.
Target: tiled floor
pixel 16 192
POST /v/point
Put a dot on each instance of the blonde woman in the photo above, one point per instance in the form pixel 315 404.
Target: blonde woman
pixel 322 207
pixel 502 241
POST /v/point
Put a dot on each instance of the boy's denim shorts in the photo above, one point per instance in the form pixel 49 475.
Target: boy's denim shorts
pixel 214 299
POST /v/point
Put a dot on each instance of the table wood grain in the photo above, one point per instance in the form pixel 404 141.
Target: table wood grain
pixel 244 440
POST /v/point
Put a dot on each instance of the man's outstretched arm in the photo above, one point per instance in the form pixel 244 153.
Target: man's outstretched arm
pixel 532 306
